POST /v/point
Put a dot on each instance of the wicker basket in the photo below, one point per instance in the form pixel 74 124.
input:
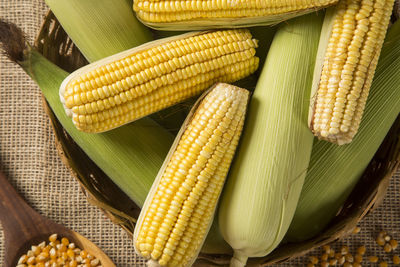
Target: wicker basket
pixel 100 191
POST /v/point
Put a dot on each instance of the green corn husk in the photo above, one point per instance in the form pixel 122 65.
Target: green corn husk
pixel 130 155
pixel 266 178
pixel 100 28
pixel 334 170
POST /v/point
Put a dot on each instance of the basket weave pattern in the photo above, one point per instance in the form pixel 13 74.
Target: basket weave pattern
pixel 54 43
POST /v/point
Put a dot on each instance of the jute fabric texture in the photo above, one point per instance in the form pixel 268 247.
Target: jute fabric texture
pixel 29 158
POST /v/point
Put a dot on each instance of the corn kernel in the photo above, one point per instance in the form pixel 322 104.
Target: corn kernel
pixel 380 240
pixel 23 259
pixel 333 261
pixel 358 258
pixel 347 264
pixel 383 264
pixel 387 248
pixel 344 250
pixel 361 250
pixel 324 264
pixel 396 260
pixel 83 254
pixel 313 259
pixel 31 260
pixel 94 262
pixel 65 241
pixel 324 257
pixel 356 230
pixel 53 238
pixel 326 248
pixel 349 258
pixel 373 259
pixel 393 243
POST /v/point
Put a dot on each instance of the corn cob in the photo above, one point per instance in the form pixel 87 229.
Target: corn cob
pixel 179 209
pixel 349 48
pixel 265 182
pixel 206 14
pixel 335 170
pixel 143 80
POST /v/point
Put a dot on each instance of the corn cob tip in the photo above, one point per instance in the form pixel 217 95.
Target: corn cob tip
pixel 143 80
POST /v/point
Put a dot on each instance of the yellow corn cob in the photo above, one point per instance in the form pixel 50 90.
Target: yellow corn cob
pixel 137 82
pixel 355 30
pixel 179 209
pixel 205 14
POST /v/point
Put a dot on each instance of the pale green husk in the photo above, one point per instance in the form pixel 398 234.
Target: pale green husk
pixel 334 170
pixel 265 182
pixel 130 155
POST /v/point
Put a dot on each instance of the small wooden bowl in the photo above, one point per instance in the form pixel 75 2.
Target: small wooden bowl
pixel 100 191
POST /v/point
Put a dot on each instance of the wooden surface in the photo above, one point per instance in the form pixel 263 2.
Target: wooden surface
pixel 24 227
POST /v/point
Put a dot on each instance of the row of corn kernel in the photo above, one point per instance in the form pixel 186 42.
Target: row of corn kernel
pixel 57 253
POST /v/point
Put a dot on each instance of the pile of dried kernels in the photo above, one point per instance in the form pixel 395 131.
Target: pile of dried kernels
pixel 57 253
pixel 346 259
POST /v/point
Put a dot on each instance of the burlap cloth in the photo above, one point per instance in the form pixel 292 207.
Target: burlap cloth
pixel 30 160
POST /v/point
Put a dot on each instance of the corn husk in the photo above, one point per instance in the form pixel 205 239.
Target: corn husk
pixel 264 185
pixel 334 171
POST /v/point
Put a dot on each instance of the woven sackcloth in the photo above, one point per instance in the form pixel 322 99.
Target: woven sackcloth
pixel 29 158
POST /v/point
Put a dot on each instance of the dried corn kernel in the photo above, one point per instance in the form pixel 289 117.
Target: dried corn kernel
pixel 313 259
pixel 57 253
pixel 383 264
pixel 373 259
pixel 380 240
pixel 393 243
pixel 23 259
pixel 396 260
pixel 324 264
pixel 324 257
pixel 387 248
pixel 53 238
pixel 361 250
pixel 358 258
pixel 356 230
pixel 344 250
pixel 349 258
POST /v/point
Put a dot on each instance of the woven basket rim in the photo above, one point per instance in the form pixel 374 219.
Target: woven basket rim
pixel 54 44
